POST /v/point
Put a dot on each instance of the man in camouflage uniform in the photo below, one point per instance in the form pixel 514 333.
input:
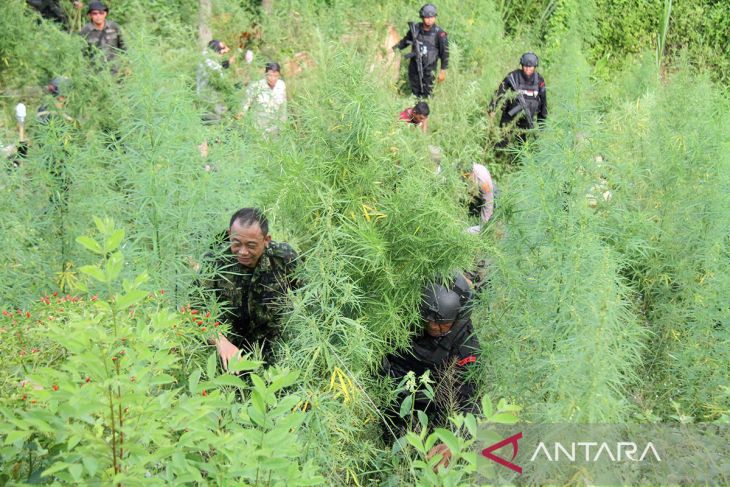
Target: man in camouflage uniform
pixel 102 33
pixel 252 277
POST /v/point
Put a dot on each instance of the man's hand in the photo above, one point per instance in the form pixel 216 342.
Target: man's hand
pixel 226 350
pixel 491 114
pixel 444 451
pixel 442 75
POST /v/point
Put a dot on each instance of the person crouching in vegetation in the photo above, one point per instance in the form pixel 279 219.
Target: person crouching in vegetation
pixel 446 350
pixel 210 81
pixel 529 106
pixel 418 115
pixel 102 33
pixel 481 192
pixel 251 279
pixel 266 98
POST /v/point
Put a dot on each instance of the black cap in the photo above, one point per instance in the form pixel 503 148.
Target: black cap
pixel 97 5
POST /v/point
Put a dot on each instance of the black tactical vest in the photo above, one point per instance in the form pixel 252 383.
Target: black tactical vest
pixel 429 44
pixel 530 90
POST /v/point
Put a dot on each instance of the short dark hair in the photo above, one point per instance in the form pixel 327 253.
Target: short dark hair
pixel 421 108
pixel 272 66
pixel 215 45
pixel 248 216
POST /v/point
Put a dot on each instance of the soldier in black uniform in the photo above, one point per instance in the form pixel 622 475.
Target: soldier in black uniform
pixel 447 347
pixel 530 105
pixel 431 44
pixel 252 276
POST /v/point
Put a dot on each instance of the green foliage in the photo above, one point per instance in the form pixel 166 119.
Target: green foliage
pixel 109 392
pixel 607 257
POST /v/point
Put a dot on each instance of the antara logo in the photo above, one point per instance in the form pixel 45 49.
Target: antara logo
pixel 487 452
pixel 621 451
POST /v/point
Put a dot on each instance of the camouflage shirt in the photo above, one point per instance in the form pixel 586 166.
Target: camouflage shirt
pixel 108 39
pixel 252 298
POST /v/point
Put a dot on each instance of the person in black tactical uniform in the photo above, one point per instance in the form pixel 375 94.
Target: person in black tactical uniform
pixel 447 348
pixel 252 275
pixel 529 107
pixel 429 43
pixel 52 9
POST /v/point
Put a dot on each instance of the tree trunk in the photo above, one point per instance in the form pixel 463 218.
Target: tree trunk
pixel 205 11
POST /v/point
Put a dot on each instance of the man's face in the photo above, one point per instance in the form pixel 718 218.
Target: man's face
pixel 97 17
pixel 248 243
pixel 419 118
pixel 528 70
pixel 428 22
pixel 437 330
pixel 272 77
pixel 223 49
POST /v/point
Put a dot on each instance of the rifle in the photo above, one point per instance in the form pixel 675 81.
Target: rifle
pixel 522 104
pixel 416 52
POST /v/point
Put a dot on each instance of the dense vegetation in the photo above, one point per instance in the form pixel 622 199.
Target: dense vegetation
pixel 608 255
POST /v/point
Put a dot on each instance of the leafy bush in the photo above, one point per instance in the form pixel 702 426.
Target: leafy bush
pixel 107 390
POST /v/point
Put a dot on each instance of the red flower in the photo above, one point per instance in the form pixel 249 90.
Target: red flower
pixel 194 312
pixel 162 291
pixel 27 314
pixel 94 297
pixel 55 387
pixel 55 294
pixel 207 315
pixel 205 393
pixel 114 358
pixel 203 328
pixel 217 324
pixel 88 379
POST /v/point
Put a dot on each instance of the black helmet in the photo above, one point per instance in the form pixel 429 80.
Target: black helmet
pixel 529 59
pixel 439 304
pixel 428 10
pixel 97 5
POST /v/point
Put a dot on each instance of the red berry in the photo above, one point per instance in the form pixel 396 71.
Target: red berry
pixel 55 387
pixel 194 312
pixel 205 393
pixel 88 379
pixel 162 291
